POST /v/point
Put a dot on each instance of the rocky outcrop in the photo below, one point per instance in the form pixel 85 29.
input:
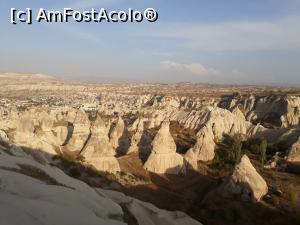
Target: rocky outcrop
pixel 141 140
pixel 48 196
pixel 27 135
pixel 294 152
pixel 204 149
pixel 98 151
pixel 80 134
pixel 163 157
pixel 3 137
pixel 283 111
pixel 119 137
pixel 61 134
pixel 245 182
pixel 191 160
pixel 146 213
pixel 217 122
pixel 292 115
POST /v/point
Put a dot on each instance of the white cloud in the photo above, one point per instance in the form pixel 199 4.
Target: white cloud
pixel 194 68
pixel 234 36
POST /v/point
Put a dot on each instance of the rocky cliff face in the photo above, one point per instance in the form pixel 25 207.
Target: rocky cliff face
pixel 282 111
pixel 215 123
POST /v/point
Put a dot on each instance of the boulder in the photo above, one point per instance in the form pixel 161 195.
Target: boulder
pixel 245 182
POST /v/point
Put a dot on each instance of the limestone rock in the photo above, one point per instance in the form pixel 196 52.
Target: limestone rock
pixel 163 157
pixel 245 182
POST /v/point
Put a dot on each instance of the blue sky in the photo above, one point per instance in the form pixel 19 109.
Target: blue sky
pixel 216 41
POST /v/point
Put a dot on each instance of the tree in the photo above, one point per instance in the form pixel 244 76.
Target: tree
pixel 257 146
pixel 229 152
pixel 233 145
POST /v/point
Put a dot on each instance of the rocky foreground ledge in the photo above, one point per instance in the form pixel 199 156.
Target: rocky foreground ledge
pixel 32 194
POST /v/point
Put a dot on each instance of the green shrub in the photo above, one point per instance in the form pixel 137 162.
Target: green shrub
pixel 229 152
pixel 257 146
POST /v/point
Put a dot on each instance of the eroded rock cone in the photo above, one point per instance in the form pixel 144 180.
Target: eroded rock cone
pixel 98 152
pixel 245 182
pixel 204 149
pixel 80 133
pixel 191 160
pixel 163 157
pixel 294 153
pixel 119 137
pixel 141 140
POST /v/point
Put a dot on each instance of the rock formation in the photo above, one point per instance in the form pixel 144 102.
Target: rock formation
pixel 26 135
pixel 61 134
pixel 216 123
pixel 245 182
pixel 163 157
pixel 191 160
pixel 119 137
pixel 278 110
pixel 80 134
pixel 294 152
pixel 146 213
pixel 3 137
pixel 49 196
pixel 61 199
pixel 141 140
pixel 98 151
